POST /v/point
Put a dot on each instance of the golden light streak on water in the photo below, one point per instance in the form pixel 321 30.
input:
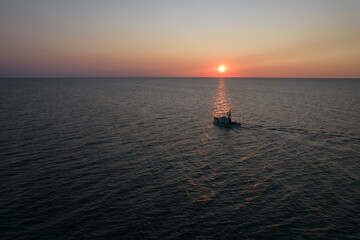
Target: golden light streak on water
pixel 221 100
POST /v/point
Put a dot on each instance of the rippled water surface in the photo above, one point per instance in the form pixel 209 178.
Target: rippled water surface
pixel 140 159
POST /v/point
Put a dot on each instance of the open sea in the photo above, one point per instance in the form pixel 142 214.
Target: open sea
pixel 140 158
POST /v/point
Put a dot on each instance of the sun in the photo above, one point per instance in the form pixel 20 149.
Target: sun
pixel 222 68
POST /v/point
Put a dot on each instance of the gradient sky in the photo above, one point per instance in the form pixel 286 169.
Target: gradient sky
pixel 187 38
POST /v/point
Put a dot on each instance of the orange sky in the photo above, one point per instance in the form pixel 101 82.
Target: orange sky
pixel 180 39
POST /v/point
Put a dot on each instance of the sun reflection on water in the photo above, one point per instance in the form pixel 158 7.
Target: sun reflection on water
pixel 201 181
pixel 221 101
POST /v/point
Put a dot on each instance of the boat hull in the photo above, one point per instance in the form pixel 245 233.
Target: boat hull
pixel 225 122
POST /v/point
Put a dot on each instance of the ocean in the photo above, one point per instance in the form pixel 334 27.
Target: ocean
pixel 140 158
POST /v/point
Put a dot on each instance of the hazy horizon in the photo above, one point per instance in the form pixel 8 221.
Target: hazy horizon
pixel 218 77
pixel 53 77
pixel 287 39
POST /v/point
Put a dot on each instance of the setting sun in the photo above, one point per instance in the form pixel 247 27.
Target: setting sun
pixel 222 68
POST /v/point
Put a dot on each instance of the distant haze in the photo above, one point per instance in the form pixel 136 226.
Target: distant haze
pixel 188 38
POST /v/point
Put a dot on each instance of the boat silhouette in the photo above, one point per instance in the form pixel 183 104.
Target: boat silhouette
pixel 225 121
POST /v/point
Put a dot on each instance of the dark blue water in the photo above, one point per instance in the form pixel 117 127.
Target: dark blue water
pixel 140 159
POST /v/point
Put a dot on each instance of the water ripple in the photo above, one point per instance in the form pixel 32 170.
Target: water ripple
pixel 140 159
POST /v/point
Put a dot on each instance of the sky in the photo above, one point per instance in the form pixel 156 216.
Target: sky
pixel 187 38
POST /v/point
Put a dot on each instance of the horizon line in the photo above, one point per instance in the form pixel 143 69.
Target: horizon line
pixel 185 77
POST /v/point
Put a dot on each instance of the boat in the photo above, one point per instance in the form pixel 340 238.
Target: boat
pixel 225 121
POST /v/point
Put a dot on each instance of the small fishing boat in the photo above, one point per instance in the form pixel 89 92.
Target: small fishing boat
pixel 225 121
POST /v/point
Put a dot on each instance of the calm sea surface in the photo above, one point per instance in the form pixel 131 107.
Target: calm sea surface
pixel 139 158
